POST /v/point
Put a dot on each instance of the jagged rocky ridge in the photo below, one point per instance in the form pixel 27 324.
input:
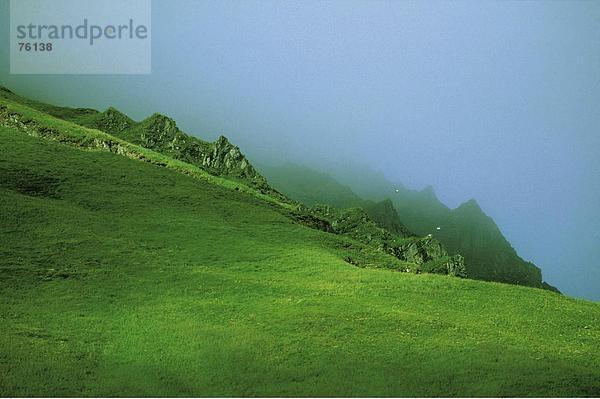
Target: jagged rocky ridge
pixel 161 134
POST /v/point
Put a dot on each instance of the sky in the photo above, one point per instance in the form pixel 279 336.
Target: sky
pixel 498 101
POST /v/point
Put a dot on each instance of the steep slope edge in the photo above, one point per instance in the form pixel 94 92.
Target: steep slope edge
pixel 161 133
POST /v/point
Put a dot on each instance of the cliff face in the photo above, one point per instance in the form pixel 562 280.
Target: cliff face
pixel 227 159
pixel 489 256
pixel 468 231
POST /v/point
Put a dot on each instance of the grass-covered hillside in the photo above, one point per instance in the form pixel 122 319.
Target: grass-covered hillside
pixel 125 272
pixel 157 140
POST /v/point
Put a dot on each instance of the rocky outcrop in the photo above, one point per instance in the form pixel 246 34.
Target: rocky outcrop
pixel 420 250
pixel 419 253
pixel 227 159
pixel 161 134
pixel 455 265
pixel 431 257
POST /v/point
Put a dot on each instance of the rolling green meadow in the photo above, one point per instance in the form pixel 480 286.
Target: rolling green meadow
pixel 127 278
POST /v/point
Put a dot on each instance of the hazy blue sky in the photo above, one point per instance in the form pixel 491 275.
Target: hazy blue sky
pixel 494 100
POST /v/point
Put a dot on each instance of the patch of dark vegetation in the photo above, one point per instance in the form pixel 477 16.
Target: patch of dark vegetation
pixel 312 221
pixel 34 333
pixel 38 333
pixel 59 274
pixel 352 261
pixel 549 287
pixel 15 272
pixel 31 274
pixel 30 183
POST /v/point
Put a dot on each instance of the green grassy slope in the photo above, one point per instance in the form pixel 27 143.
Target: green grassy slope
pixel 157 133
pixel 21 115
pixel 119 277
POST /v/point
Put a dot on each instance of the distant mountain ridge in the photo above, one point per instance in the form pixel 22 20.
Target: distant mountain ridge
pixel 466 230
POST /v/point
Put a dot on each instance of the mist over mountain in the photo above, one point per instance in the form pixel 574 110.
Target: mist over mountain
pixel 341 198
pixel 495 101
pixel 465 230
pixel 309 186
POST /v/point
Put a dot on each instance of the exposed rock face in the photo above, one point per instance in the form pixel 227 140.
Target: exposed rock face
pixel 422 253
pixel 456 266
pixel 161 134
pixel 228 160
pixel 431 257
pixel 421 250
